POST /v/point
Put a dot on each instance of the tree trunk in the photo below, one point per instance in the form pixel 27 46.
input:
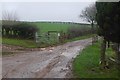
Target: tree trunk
pixel 103 56
pixel 92 30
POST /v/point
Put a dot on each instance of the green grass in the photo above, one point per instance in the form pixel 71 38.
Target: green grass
pixel 45 26
pixel 86 65
pixel 19 42
pixel 110 53
pixel 24 43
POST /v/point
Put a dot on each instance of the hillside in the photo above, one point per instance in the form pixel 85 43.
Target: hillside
pixel 57 26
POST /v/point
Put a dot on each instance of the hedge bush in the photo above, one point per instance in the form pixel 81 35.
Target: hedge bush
pixel 22 30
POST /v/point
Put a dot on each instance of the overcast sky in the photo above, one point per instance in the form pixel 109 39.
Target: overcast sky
pixel 47 11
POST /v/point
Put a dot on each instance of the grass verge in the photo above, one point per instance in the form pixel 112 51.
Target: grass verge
pixel 80 38
pixel 19 42
pixel 86 64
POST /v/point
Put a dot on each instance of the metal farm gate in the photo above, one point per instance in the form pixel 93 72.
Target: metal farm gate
pixel 51 37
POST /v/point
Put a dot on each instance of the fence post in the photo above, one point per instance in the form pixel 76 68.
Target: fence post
pixel 36 37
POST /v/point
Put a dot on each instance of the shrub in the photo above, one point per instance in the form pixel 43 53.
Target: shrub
pixel 78 31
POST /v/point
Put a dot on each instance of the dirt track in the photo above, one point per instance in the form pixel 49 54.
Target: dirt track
pixel 54 62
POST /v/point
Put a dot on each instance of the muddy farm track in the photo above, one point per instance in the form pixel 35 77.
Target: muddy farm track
pixel 54 62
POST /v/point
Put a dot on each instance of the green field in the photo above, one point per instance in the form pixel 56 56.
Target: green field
pixel 86 65
pixel 46 26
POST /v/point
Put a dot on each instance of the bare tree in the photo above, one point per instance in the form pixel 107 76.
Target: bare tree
pixel 11 16
pixel 89 14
